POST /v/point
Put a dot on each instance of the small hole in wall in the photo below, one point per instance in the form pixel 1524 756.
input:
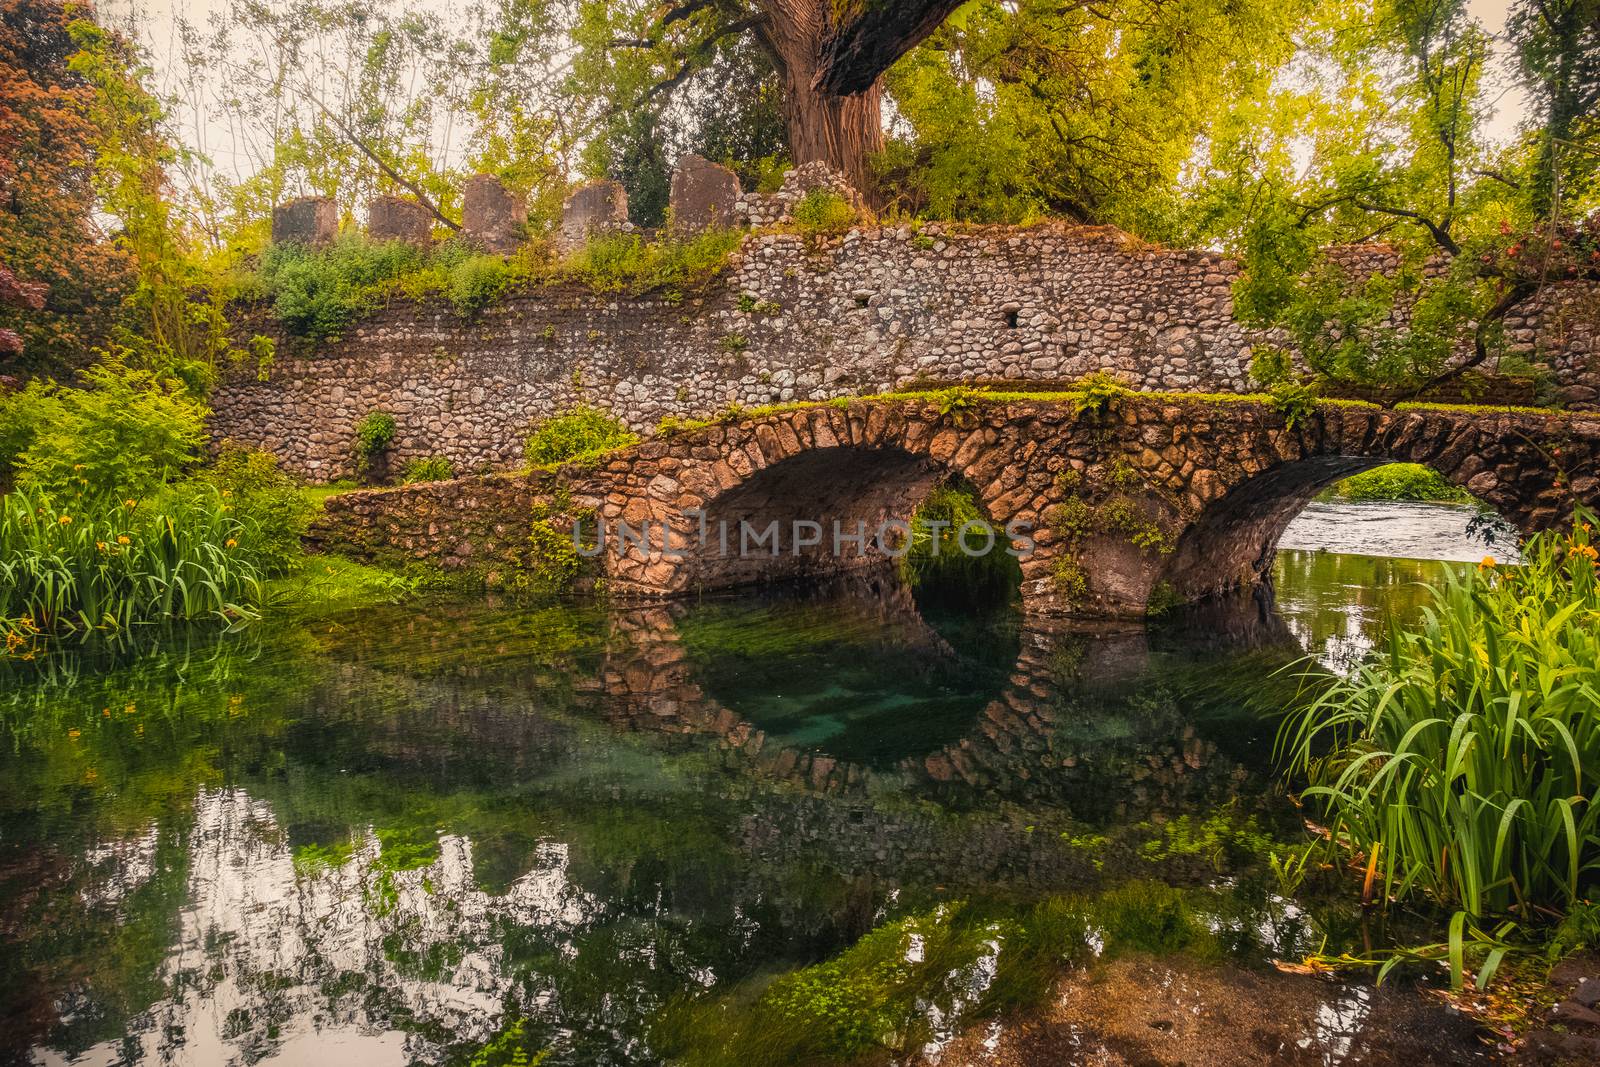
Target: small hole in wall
pixel 861 301
pixel 1011 320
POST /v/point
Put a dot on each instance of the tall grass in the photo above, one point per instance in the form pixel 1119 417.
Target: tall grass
pixel 105 564
pixel 1460 762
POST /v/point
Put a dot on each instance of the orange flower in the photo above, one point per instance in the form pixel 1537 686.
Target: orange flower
pixel 1487 564
pixel 231 543
pixel 101 545
pixel 122 539
pixel 63 520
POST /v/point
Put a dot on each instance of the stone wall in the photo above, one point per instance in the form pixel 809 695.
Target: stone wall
pixel 789 319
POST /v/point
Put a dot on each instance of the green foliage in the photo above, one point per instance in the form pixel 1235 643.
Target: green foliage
pixel 1097 394
pixel 959 964
pixel 551 562
pixel 81 564
pixel 374 434
pixel 1069 578
pixel 1460 763
pixel 1295 402
pixel 317 293
pixel 431 469
pixel 271 510
pixel 127 432
pixel 1012 112
pixel 1399 481
pixel 477 281
pixel 823 212
pixel 959 403
pixel 581 431
pixel 625 262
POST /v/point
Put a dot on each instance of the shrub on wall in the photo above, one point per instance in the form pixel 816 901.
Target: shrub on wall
pixel 374 435
pixel 431 469
pixel 618 262
pixel 317 292
pixel 583 430
pixel 823 211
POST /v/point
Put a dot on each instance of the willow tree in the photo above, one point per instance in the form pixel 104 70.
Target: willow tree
pixel 828 55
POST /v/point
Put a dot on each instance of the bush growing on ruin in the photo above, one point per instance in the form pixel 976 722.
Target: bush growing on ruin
pixel 374 435
pixel 580 431
pixel 823 211
pixel 431 469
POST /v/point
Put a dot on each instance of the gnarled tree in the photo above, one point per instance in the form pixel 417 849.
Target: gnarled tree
pixel 830 56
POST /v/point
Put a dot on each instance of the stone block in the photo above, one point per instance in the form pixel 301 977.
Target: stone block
pixel 492 217
pixel 705 196
pixel 312 220
pixel 599 207
pixel 393 218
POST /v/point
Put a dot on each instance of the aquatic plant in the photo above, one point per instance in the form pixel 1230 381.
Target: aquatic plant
pixel 105 564
pixel 881 999
pixel 1459 763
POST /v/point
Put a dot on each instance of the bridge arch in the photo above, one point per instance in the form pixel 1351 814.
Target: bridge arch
pixel 810 493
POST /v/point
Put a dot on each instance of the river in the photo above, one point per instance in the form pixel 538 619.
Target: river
pixel 380 838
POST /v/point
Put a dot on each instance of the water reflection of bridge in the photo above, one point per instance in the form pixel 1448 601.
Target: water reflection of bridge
pixel 1044 731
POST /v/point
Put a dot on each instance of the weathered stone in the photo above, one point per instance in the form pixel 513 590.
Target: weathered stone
pixel 492 217
pixel 596 208
pixel 391 218
pixel 704 196
pixel 312 220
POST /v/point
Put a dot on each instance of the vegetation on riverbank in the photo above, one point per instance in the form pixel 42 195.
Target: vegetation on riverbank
pixel 1459 764
pixel 1407 482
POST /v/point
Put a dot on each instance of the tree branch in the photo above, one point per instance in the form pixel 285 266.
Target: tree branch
pixel 383 164
pixel 857 53
pixel 1441 236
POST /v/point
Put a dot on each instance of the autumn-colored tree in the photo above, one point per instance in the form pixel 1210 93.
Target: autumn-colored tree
pixel 49 143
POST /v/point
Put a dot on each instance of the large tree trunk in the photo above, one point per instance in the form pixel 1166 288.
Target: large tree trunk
pixel 844 132
pixel 832 92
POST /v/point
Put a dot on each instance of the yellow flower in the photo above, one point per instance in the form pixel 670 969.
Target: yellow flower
pixel 73 734
pixel 1487 564
pixel 64 519
pixel 101 545
pixel 122 539
pixel 130 503
pixel 231 543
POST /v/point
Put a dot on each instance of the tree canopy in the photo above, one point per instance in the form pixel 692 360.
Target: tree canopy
pixel 1274 130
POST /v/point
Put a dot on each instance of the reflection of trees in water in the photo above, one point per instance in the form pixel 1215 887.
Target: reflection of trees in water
pixel 1337 605
pixel 417 817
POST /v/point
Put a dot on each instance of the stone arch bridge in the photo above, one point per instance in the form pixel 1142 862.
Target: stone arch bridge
pixel 1150 496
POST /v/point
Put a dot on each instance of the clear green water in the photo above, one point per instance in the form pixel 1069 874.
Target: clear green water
pixel 375 838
